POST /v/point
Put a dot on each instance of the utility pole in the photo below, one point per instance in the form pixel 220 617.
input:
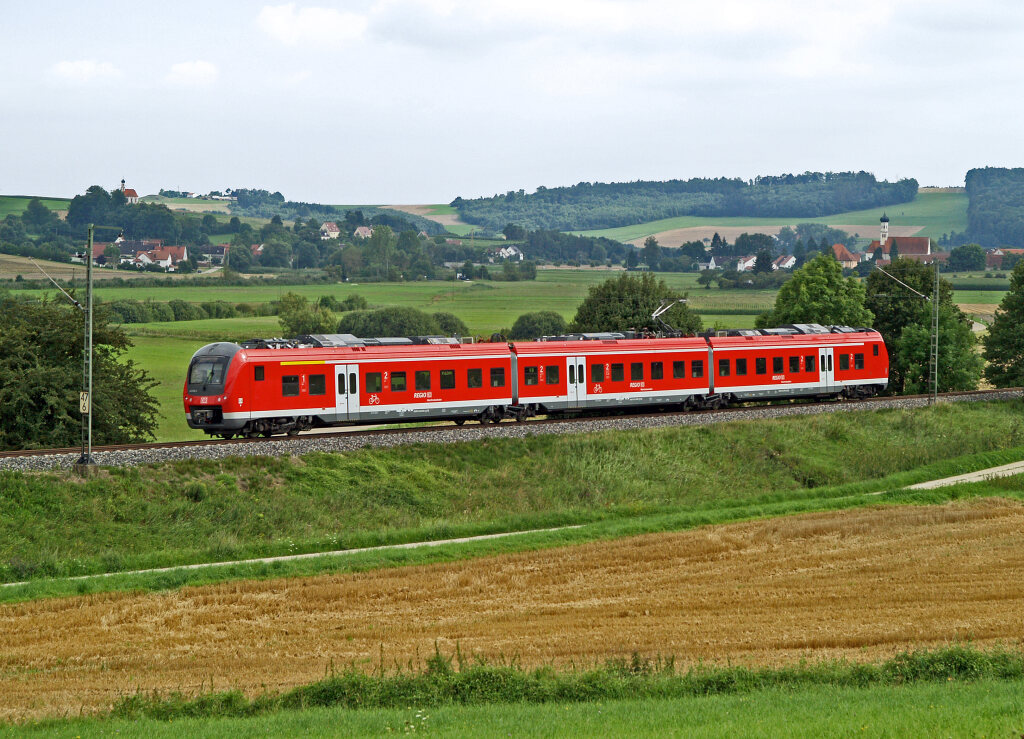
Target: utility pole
pixel 85 402
pixel 933 360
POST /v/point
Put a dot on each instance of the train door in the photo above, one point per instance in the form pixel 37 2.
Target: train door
pixel 348 391
pixel 576 377
pixel 826 371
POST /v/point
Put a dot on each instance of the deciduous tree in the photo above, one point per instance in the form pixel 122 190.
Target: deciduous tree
pixel 818 293
pixel 1004 345
pixel 538 324
pixel 627 302
pixel 41 377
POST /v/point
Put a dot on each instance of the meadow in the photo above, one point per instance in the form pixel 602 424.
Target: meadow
pixel 16 204
pixel 936 211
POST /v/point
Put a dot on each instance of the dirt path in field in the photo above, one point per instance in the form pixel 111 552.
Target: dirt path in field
pixel 862 584
pixel 679 236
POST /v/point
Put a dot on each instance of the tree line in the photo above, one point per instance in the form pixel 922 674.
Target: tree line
pixel 995 210
pixel 593 205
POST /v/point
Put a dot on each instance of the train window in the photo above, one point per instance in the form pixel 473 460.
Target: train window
pixel 697 368
pixel 657 372
pixel 447 379
pixel 636 371
pixel 741 366
pixel 844 361
pixel 809 363
pixel 422 379
pixel 776 365
pixel 597 372
pixel 572 374
pixel 723 367
pixel 341 383
pixel 794 364
pixel 474 378
pixel 829 362
pixel 582 378
pixel 290 385
pixel 761 365
pixel 678 370
pixel 874 350
pixel 551 374
pixel 318 384
pixel 352 383
pixel 398 382
pixel 497 377
pixel 529 375
pixel 858 361
pixel 373 382
pixel 258 373
pixel 618 373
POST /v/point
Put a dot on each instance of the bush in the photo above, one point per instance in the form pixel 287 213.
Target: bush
pixel 185 311
pixel 536 325
pixel 219 309
pixel 389 322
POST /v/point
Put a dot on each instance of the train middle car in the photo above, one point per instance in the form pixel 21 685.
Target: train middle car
pixel 266 388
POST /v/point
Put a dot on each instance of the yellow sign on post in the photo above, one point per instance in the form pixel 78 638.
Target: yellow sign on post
pixel 83 402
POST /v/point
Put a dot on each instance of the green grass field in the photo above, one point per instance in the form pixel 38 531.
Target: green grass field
pixel 16 204
pixel 936 212
pixel 983 708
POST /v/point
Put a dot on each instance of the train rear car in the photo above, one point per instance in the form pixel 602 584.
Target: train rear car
pixel 801 360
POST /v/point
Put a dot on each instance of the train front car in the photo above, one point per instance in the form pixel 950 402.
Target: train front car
pixel 211 393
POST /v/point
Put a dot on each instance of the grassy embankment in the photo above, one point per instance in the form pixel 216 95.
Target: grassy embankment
pixel 625 483
pixel 952 691
pixel 937 212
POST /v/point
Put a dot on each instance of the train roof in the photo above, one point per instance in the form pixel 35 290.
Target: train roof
pixel 599 346
pixel 837 336
pixel 385 351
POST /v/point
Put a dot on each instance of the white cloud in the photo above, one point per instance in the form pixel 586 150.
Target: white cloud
pixel 85 70
pixel 291 25
pixel 192 74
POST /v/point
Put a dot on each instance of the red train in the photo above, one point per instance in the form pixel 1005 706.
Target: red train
pixel 266 387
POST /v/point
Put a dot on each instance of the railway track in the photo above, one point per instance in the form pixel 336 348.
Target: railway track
pixel 131 454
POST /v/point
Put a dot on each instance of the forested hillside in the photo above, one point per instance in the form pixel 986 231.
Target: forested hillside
pixel 609 205
pixel 995 213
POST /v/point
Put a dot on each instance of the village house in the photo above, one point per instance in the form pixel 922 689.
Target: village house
pixel 329 230
pixel 710 264
pixel 165 257
pixel 786 261
pixel 844 256
pixel 745 264
pixel 512 253
pixel 363 232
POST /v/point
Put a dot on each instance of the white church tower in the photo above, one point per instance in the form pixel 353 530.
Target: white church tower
pixel 885 229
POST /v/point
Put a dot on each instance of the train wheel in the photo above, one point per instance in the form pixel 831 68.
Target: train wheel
pixel 459 421
pixel 226 436
pixel 293 431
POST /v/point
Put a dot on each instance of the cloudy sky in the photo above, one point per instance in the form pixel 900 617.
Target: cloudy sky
pixel 417 101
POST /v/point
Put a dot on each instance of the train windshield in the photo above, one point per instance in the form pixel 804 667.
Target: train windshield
pixel 206 375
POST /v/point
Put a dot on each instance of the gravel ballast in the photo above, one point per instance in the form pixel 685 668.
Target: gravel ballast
pixel 342 442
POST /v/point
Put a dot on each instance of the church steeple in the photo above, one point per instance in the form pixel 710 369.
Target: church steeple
pixel 884 220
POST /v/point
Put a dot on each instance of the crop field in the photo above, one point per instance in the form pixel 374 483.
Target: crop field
pixel 932 213
pixel 192 205
pixel 860 584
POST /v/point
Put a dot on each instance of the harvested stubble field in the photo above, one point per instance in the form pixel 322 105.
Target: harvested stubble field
pixel 862 584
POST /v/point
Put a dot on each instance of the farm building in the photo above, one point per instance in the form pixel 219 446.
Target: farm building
pixel 329 230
